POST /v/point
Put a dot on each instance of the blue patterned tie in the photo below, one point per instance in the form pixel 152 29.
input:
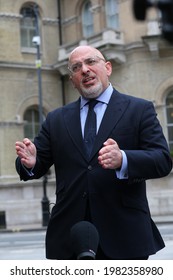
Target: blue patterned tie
pixel 90 127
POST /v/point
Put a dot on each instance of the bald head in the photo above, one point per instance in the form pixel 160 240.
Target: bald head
pixel 83 50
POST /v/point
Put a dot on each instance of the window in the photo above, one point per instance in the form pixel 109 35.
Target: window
pixel 87 20
pixel 169 113
pixel 112 13
pixel 27 26
pixel 31 118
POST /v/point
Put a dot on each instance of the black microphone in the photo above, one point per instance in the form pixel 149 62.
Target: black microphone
pixel 85 240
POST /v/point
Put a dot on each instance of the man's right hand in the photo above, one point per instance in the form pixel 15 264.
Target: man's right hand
pixel 26 150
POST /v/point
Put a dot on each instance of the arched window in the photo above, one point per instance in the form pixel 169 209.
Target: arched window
pixel 87 20
pixel 112 14
pixel 28 25
pixel 31 119
pixel 169 113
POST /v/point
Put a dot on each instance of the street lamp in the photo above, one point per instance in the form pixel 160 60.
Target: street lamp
pixel 36 42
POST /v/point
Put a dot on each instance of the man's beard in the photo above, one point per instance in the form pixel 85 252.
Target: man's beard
pixel 93 91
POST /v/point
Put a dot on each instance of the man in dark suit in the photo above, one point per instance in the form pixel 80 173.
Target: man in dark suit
pixel 108 185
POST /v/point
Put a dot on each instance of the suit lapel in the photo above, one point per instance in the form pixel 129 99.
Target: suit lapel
pixel 71 115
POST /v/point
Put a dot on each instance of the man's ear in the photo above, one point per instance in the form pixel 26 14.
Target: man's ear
pixel 71 80
pixel 109 68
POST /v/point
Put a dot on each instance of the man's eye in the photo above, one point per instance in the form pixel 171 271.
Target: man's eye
pixel 91 61
pixel 75 67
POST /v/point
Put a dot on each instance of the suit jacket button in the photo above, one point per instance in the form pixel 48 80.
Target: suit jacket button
pixel 84 194
pixel 90 167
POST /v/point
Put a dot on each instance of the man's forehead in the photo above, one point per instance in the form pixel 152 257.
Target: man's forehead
pixel 82 53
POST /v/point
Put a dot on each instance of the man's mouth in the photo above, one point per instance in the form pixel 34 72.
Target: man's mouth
pixel 88 80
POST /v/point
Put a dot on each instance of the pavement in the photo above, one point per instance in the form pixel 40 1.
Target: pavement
pixel 30 227
pixel 23 227
pixel 159 220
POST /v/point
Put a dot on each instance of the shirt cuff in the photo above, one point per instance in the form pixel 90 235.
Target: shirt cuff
pixel 123 172
pixel 28 170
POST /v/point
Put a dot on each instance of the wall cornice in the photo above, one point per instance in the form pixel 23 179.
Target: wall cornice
pixel 50 21
pixel 10 16
pixel 15 65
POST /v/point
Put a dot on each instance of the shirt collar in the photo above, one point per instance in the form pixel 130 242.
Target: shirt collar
pixel 103 98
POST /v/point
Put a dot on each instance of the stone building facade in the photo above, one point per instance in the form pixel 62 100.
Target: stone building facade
pixel 142 66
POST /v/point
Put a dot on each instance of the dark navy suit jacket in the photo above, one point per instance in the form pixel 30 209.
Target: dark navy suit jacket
pixel 119 208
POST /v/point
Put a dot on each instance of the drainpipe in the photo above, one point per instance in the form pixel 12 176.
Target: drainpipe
pixel 60 43
pixel 59 21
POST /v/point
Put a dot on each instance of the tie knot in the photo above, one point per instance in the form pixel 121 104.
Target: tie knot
pixel 92 103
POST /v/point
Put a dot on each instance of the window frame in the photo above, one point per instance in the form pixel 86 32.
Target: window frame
pixel 87 20
pixel 112 14
pixel 28 27
pixel 31 123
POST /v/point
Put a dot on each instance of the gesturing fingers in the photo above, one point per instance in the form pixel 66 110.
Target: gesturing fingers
pixel 110 155
pixel 26 150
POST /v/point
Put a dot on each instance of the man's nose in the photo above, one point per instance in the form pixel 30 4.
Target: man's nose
pixel 85 67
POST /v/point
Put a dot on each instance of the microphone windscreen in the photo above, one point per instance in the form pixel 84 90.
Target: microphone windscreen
pixel 84 240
